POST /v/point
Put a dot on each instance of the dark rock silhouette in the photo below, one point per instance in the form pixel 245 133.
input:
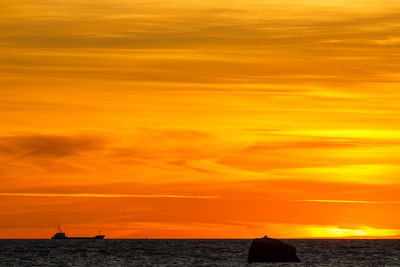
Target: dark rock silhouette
pixel 271 250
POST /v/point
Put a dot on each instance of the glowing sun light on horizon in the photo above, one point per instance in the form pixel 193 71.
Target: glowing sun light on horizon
pixel 338 232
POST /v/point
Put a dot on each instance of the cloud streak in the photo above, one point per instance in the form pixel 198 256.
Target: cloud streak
pixel 86 195
pixel 346 201
pixel 48 146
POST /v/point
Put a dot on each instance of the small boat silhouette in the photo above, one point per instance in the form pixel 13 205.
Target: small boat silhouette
pixel 61 235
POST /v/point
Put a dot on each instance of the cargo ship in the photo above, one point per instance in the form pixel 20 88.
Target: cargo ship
pixel 61 235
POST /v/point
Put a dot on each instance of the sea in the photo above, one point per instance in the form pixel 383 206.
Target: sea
pixel 187 252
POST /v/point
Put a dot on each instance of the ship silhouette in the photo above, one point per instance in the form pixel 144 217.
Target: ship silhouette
pixel 61 235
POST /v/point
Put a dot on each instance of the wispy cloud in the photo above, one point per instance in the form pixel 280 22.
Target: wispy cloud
pixel 48 146
pixel 102 195
pixel 346 201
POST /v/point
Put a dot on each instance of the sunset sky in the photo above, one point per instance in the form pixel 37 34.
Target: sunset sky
pixel 200 119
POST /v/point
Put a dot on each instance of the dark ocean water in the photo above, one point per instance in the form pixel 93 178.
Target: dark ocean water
pixel 114 252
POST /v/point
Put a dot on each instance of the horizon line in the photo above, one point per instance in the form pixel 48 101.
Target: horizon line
pixel 231 238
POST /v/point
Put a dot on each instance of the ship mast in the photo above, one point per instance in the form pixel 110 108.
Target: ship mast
pixel 59 229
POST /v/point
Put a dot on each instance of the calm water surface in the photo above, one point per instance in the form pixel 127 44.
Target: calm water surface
pixel 114 252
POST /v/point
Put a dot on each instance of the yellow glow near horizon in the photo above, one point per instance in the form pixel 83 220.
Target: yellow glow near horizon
pixel 365 232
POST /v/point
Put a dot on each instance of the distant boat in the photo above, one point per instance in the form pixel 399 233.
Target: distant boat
pixel 61 235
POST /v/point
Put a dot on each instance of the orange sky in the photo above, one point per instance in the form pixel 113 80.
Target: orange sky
pixel 196 119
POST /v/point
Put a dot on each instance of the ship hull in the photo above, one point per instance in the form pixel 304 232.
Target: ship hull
pixel 82 237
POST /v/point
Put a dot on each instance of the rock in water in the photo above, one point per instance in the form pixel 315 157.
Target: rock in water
pixel 271 250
